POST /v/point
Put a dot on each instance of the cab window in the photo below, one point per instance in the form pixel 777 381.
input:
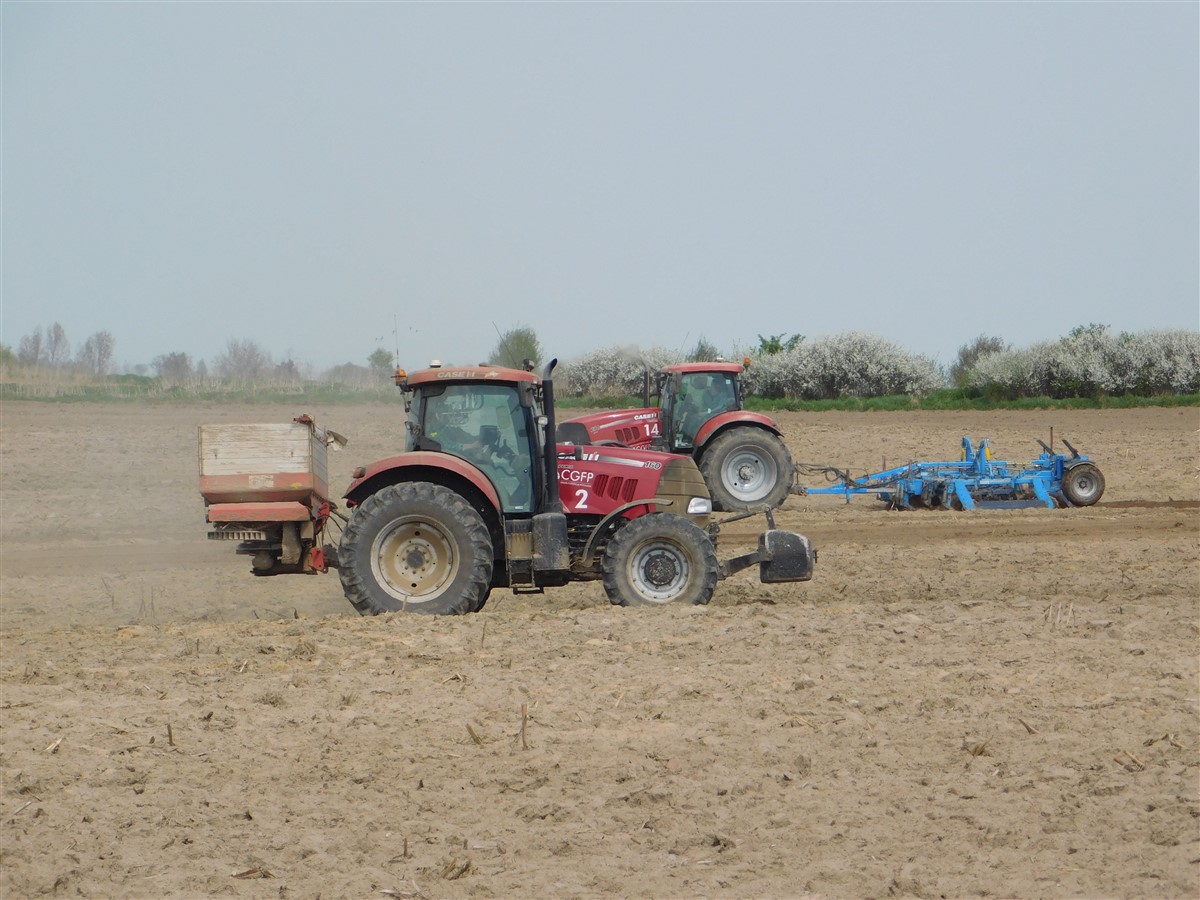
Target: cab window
pixel 701 396
pixel 487 426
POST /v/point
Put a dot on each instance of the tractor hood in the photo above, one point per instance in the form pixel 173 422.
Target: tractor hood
pixel 631 427
pixel 603 479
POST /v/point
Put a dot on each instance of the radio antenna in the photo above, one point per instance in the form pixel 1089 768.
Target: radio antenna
pixel 508 355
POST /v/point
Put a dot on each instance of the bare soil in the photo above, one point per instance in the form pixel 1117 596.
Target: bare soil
pixel 960 704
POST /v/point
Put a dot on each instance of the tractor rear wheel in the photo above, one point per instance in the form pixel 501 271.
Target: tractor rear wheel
pixel 660 558
pixel 415 547
pixel 1083 484
pixel 747 468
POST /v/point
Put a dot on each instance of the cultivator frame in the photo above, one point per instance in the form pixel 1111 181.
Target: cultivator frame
pixel 1051 480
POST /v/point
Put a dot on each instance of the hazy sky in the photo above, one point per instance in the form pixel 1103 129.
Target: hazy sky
pixel 329 178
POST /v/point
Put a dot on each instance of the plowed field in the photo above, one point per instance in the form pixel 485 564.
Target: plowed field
pixel 959 704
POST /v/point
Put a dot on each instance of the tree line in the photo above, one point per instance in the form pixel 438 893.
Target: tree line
pixel 47 352
pixel 50 349
pixel 1090 361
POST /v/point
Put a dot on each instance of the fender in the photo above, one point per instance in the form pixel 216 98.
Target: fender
pixel 392 469
pixel 728 419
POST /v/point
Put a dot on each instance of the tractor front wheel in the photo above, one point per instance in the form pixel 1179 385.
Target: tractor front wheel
pixel 1083 484
pixel 660 558
pixel 415 547
pixel 747 468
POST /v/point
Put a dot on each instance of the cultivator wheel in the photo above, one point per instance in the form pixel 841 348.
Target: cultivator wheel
pixel 1083 485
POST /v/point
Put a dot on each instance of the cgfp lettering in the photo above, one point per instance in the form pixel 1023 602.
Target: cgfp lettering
pixel 574 476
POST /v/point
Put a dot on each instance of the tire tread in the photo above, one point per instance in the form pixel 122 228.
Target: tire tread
pixel 366 596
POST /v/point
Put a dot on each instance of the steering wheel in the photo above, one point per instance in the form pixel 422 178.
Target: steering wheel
pixel 502 457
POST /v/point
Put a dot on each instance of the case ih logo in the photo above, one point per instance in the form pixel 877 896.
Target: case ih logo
pixel 466 373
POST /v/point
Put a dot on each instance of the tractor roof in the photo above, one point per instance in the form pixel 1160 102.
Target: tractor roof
pixel 722 366
pixel 442 374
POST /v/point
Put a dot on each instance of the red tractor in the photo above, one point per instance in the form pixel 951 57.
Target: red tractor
pixel 481 497
pixel 741 454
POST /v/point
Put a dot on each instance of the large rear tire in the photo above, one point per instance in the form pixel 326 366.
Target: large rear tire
pixel 415 547
pixel 746 468
pixel 657 559
pixel 1083 484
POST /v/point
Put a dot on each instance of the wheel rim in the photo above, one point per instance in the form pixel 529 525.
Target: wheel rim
pixel 660 570
pixel 414 559
pixel 748 475
pixel 1085 485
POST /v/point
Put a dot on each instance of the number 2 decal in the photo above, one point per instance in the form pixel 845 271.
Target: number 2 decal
pixel 581 498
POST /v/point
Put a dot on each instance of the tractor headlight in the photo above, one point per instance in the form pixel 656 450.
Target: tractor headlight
pixel 699 506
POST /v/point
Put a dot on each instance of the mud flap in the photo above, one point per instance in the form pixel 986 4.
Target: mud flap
pixel 784 556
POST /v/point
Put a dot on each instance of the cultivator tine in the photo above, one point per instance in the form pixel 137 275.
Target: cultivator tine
pixel 1042 494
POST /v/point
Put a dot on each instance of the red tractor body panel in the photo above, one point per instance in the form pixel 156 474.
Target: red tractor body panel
pixel 627 427
pixel 597 480
pixel 596 484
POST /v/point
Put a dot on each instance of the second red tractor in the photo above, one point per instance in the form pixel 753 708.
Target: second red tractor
pixel 700 413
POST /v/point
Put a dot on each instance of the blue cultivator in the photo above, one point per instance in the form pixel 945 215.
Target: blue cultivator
pixel 977 480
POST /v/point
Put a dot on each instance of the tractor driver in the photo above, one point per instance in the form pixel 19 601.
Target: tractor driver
pixel 440 428
pixel 700 401
pixel 508 472
pixel 712 399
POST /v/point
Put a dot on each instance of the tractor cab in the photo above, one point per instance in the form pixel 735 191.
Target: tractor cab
pixel 490 418
pixel 690 394
pixel 485 424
